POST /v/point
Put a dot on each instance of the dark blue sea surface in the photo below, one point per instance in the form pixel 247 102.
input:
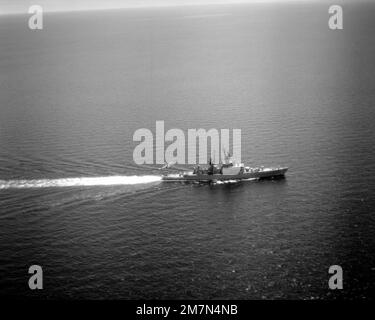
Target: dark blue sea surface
pixel 73 94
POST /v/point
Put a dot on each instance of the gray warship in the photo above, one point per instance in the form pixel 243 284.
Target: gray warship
pixel 230 170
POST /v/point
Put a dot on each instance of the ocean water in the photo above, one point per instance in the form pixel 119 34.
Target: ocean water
pixel 73 201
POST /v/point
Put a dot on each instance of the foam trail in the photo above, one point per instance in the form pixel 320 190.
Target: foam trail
pixel 78 182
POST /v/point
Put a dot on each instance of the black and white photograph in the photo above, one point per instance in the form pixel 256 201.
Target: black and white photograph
pixel 190 150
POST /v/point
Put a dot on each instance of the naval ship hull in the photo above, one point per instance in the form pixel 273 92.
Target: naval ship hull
pixel 267 173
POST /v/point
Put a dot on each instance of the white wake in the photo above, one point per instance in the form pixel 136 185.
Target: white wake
pixel 78 182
